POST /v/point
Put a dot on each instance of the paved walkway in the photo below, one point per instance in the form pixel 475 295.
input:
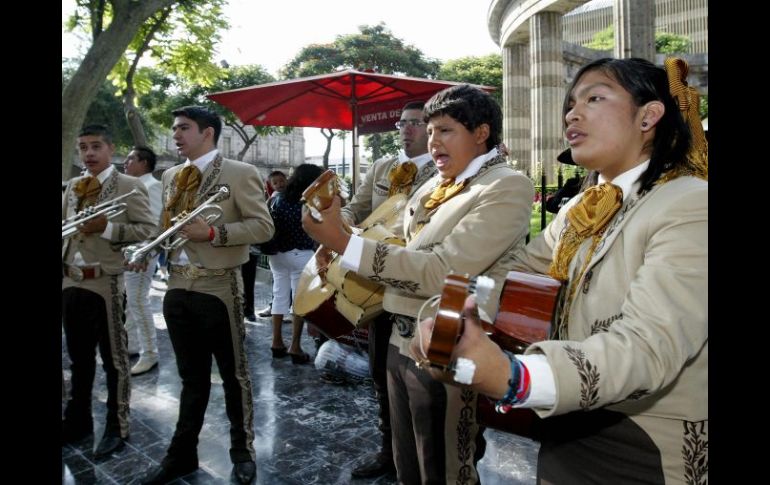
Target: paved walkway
pixel 307 431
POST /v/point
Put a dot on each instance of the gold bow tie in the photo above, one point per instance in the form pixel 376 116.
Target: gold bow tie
pixel 445 191
pixel 595 209
pixel 588 217
pixel 87 189
pixel 186 183
pixel 401 178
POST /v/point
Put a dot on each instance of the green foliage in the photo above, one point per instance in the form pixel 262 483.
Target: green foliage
pixel 106 109
pixel 665 42
pixel 382 144
pixel 535 220
pixel 373 47
pixel 603 40
pixel 668 43
pixel 181 41
pixel 704 107
pixel 486 70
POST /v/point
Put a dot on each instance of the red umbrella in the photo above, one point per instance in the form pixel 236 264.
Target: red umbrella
pixel 331 101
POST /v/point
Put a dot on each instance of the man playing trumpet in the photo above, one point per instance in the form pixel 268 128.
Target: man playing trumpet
pixel 92 287
pixel 203 306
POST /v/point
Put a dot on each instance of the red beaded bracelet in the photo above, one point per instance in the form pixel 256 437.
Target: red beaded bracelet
pixel 211 233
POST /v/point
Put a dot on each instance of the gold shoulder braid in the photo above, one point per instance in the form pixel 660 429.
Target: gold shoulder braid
pixel 186 183
pixel 688 100
pixel 401 178
pixel 87 189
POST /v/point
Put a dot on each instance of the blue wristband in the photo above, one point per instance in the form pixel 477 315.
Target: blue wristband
pixel 506 403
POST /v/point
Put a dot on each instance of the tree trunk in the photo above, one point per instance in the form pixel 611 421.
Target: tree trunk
pixel 329 139
pixel 98 62
pixel 133 119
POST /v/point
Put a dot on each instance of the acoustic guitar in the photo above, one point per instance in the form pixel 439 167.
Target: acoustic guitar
pixel 525 316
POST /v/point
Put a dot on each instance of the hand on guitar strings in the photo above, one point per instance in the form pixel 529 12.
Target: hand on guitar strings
pixel 492 364
pixel 329 231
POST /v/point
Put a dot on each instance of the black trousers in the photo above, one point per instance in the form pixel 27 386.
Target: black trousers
pixel 84 316
pixel 249 272
pixel 379 335
pixel 199 327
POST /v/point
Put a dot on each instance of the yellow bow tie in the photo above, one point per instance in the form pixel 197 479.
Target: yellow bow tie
pixel 595 209
pixel 401 178
pixel 87 189
pixel 588 217
pixel 445 191
pixel 187 182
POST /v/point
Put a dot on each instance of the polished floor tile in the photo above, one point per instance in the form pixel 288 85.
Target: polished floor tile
pixel 306 431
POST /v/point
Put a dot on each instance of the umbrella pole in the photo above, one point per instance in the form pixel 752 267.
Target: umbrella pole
pixel 354 163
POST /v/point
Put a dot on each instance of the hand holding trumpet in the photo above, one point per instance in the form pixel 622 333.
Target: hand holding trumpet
pixel 95 225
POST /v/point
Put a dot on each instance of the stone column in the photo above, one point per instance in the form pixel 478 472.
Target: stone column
pixel 547 94
pixel 634 29
pixel 516 124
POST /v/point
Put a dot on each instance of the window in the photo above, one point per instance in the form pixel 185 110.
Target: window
pixel 227 149
pixel 284 151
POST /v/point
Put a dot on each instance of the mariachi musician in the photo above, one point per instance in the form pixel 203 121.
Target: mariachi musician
pixel 468 219
pixel 92 284
pixel 386 177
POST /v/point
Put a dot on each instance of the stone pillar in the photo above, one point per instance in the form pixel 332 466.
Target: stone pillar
pixel 547 93
pixel 634 29
pixel 516 112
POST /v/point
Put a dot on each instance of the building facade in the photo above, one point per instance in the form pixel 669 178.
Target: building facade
pixel 542 49
pixel 267 153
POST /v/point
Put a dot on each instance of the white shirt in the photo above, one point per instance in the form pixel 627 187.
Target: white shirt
pixel 419 160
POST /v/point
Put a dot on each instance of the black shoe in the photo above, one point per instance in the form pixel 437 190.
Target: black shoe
pixel 266 312
pixel 251 318
pixel 110 442
pixel 374 465
pixel 73 429
pixel 168 472
pixel 245 471
pixel 299 359
pixel 279 352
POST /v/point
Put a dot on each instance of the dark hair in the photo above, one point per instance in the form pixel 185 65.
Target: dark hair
pixel 303 176
pixel 203 116
pixel 97 130
pixel 146 154
pixel 646 82
pixel 470 106
pixel 276 173
pixel 413 105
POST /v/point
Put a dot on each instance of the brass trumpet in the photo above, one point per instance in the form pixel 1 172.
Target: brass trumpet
pixel 137 253
pixel 110 209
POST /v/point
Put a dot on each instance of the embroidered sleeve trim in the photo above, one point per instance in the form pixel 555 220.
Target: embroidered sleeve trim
pixel 589 377
pixel 695 453
pixel 381 252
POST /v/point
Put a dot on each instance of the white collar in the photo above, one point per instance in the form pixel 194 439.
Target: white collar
pixel 475 165
pixel 203 161
pixel 419 160
pixel 628 179
pixel 103 175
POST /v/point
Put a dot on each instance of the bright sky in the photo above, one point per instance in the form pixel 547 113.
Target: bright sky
pixel 272 32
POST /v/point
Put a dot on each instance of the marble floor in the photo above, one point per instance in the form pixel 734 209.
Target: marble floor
pixel 306 431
